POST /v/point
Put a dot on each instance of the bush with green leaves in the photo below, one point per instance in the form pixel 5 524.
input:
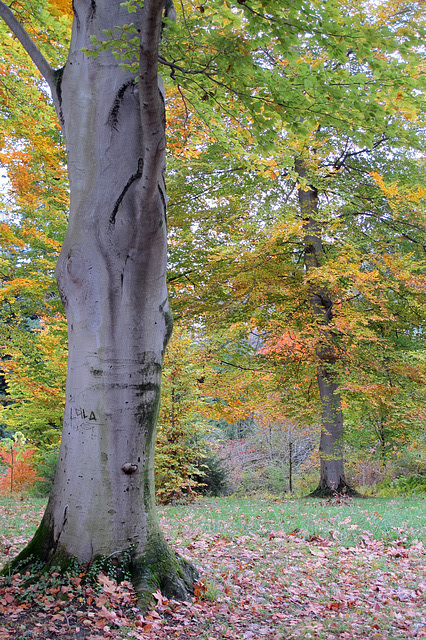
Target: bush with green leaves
pixel 45 464
pixel 213 477
pixel 414 485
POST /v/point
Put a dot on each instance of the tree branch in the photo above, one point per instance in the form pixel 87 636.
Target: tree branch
pixel 30 47
pixel 180 275
pixel 238 366
pixel 189 72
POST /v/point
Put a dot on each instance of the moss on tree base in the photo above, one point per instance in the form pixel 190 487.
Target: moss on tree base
pixel 157 568
pixel 162 568
pixel 343 490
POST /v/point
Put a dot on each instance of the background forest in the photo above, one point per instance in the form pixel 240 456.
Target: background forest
pixel 296 184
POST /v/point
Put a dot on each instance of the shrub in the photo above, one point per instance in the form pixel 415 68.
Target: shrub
pixel 271 479
pixel 45 463
pixel 213 477
pixel 413 485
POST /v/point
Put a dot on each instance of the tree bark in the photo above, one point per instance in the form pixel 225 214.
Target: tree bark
pixel 332 475
pixel 112 280
pixel 290 466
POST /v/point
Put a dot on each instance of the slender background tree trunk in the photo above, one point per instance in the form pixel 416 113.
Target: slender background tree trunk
pixel 332 475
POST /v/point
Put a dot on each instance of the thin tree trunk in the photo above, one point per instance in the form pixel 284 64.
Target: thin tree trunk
pixel 380 430
pixel 11 468
pixel 112 279
pixel 332 476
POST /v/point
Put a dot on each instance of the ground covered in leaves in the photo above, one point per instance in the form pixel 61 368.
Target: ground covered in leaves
pixel 269 569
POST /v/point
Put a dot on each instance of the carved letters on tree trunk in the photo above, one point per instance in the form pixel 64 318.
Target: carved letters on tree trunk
pixel 112 279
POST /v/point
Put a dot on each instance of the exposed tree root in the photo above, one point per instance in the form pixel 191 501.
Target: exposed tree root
pixel 162 568
pixel 157 568
pixel 341 492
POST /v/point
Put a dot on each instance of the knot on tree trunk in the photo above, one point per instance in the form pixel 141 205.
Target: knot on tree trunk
pixel 129 468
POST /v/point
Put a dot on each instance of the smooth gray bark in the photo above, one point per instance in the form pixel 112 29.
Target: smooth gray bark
pixel 112 279
pixel 332 475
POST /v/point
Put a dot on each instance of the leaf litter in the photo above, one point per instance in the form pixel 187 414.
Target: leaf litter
pixel 274 584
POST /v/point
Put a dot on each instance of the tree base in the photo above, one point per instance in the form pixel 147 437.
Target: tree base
pixel 165 570
pixel 157 568
pixel 339 493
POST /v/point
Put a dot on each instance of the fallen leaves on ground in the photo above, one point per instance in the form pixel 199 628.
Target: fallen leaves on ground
pixel 19 518
pixel 275 586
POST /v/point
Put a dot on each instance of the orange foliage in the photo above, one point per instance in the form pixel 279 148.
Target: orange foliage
pixel 63 7
pixel 19 462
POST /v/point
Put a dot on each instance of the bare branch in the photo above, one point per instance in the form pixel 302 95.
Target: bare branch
pixel 30 47
pixel 189 72
pixel 238 366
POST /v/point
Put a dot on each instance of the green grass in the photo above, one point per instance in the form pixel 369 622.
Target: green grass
pixel 19 518
pixel 380 519
pixel 384 519
pixel 280 570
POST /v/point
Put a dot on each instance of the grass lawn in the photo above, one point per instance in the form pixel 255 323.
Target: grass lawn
pixel 280 570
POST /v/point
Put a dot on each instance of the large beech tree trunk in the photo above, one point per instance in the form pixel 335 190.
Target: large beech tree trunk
pixel 112 279
pixel 332 474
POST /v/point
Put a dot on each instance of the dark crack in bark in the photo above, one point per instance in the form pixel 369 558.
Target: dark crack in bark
pixel 58 74
pixel 113 114
pixel 130 181
pixel 77 19
pixel 163 200
pixel 92 12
